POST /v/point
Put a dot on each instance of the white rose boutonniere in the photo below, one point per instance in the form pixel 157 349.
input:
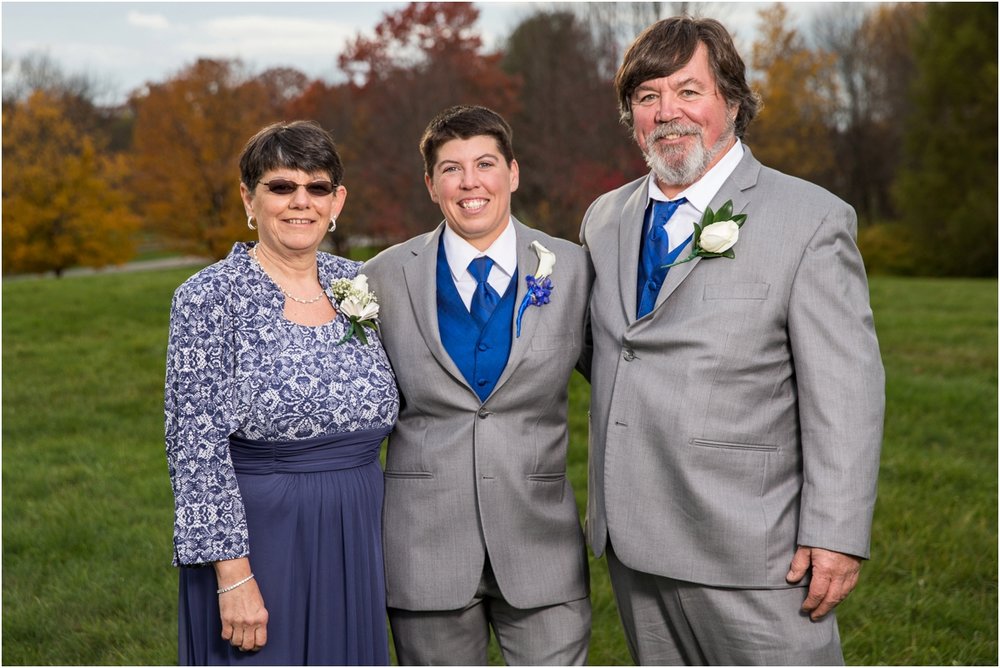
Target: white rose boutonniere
pixel 720 237
pixel 539 284
pixel 358 303
pixel 716 234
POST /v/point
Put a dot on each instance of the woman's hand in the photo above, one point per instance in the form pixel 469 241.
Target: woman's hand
pixel 244 617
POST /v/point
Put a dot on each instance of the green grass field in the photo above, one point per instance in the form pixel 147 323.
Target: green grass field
pixel 87 508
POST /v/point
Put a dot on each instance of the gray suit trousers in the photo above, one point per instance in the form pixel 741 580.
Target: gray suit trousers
pixel 555 635
pixel 673 623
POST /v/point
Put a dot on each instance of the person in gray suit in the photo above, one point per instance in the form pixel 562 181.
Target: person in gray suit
pixel 483 319
pixel 737 388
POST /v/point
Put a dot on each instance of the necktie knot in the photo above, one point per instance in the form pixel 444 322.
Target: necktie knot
pixel 662 211
pixel 485 298
pixel 480 268
pixel 652 255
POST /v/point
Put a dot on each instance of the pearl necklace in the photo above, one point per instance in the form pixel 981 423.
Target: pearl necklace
pixel 312 300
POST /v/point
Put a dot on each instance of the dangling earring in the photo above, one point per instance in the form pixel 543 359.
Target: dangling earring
pixel 250 223
pixel 333 224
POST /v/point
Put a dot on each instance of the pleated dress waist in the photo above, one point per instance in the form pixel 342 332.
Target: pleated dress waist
pixel 331 452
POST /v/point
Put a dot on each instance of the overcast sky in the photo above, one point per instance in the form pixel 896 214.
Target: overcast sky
pixel 123 45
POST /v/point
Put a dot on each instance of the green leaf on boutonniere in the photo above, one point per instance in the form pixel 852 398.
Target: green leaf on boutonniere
pixel 716 234
pixel 359 304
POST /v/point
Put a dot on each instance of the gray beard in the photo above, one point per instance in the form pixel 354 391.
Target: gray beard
pixel 677 166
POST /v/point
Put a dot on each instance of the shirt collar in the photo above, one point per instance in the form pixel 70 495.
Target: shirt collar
pixel 503 251
pixel 701 192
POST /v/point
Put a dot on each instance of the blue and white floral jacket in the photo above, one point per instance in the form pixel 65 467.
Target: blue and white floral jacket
pixel 223 325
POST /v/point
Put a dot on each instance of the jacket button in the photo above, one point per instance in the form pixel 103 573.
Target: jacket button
pixel 483 413
pixel 628 355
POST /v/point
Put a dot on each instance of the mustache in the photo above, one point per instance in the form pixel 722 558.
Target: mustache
pixel 673 128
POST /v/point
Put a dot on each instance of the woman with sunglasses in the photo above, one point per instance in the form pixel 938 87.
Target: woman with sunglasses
pixel 275 411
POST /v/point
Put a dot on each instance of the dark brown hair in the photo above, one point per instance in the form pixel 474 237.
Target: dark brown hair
pixel 668 45
pixel 465 122
pixel 301 145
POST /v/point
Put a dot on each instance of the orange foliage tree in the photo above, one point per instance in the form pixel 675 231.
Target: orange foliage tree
pixel 791 132
pixel 335 107
pixel 189 132
pixel 63 200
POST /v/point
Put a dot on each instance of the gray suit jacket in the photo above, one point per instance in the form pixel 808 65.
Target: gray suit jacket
pixel 465 477
pixel 743 416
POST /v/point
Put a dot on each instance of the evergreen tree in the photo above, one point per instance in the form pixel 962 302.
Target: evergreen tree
pixel 947 190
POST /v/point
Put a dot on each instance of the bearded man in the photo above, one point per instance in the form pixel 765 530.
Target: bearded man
pixel 737 388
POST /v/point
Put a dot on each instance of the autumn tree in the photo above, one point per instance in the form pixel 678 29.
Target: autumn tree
pixel 568 140
pixel 948 187
pixel 614 25
pixel 335 107
pixel 78 95
pixel 281 86
pixel 791 133
pixel 189 132
pixel 36 71
pixel 63 200
pixel 874 57
pixel 421 59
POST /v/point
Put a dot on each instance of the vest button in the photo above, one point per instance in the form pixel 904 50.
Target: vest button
pixel 483 346
pixel 482 382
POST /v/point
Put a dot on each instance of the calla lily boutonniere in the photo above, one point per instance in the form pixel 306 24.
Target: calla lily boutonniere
pixel 539 283
pixel 358 303
pixel 716 234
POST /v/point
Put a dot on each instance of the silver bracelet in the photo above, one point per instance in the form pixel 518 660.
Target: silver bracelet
pixel 234 586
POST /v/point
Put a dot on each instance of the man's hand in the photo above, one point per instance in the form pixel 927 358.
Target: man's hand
pixel 834 575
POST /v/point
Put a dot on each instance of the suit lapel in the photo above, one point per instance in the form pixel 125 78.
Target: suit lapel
pixel 527 262
pixel 629 234
pixel 420 273
pixel 735 188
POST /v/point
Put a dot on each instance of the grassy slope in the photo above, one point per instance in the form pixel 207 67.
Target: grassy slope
pixel 87 503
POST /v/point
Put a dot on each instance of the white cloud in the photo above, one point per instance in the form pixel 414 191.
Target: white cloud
pixel 268 37
pixel 154 21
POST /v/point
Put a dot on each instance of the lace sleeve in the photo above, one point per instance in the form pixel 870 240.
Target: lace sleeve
pixel 209 519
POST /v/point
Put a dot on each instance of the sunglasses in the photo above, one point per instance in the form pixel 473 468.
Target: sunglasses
pixel 285 187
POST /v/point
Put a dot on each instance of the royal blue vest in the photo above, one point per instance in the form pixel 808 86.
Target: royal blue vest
pixel 480 354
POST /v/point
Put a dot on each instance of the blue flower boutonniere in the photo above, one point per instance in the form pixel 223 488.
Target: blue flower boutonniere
pixel 716 234
pixel 539 283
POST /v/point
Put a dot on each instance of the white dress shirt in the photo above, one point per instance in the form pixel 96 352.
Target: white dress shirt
pixel 699 195
pixel 460 253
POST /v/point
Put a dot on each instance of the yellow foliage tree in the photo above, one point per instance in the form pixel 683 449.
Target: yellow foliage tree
pixel 63 201
pixel 189 132
pixel 792 131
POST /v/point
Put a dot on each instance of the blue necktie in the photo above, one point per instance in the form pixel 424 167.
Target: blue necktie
pixel 653 255
pixel 485 298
